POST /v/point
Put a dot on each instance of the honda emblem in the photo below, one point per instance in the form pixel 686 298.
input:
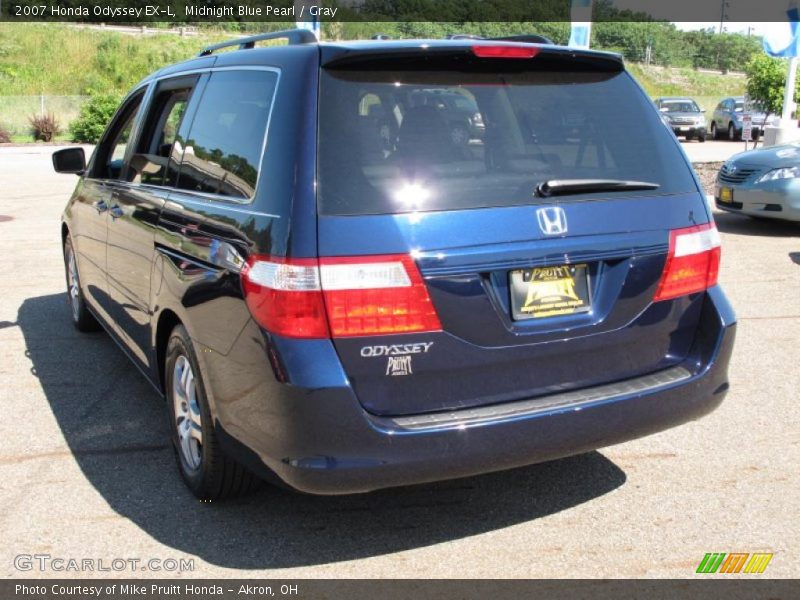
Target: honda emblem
pixel 552 220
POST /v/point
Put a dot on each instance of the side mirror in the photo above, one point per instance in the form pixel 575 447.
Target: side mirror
pixel 69 160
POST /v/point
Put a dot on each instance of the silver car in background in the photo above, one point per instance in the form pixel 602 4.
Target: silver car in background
pixel 762 183
pixel 683 116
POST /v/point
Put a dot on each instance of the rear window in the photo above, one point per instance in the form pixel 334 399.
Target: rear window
pixel 680 106
pixel 408 140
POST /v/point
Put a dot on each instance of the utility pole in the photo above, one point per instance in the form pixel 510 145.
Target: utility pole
pixel 722 17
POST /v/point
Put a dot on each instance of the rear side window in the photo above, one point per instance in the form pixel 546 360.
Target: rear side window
pixel 223 149
pixel 443 140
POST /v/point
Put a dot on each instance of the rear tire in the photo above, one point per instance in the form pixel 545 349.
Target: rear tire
pixel 205 469
pixel 459 136
pixel 731 132
pixel 82 319
pixel 701 137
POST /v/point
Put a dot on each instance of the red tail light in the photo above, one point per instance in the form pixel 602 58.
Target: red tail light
pixel 692 264
pixel 341 297
pixel 284 296
pixel 505 51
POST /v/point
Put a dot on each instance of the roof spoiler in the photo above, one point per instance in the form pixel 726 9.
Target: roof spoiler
pixel 345 58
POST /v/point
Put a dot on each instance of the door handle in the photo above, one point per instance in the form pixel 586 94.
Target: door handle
pixel 116 212
pixel 100 206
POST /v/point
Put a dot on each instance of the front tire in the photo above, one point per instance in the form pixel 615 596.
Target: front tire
pixel 82 319
pixel 205 469
pixel 714 131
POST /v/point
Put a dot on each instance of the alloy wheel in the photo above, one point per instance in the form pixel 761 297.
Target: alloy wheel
pixel 73 286
pixel 188 419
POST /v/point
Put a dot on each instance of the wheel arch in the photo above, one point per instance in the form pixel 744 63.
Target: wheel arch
pixel 167 321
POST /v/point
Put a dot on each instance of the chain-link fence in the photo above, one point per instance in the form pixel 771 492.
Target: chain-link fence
pixel 16 111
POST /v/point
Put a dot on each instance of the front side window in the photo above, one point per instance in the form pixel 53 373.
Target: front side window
pixel 114 145
pixel 223 149
pixel 160 150
pixel 121 143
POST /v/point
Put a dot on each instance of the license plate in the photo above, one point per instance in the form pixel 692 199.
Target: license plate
pixel 549 291
pixel 725 195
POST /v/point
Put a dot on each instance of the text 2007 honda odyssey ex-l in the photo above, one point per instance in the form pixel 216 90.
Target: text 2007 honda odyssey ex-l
pixel 336 282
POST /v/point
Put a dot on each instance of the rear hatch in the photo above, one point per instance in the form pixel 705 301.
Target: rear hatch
pixel 536 289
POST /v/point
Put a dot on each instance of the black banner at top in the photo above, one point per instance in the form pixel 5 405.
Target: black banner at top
pixel 458 11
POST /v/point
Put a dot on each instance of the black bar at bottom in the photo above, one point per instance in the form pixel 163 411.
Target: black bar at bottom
pixel 727 587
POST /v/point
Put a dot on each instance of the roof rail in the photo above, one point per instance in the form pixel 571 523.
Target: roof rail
pixel 294 36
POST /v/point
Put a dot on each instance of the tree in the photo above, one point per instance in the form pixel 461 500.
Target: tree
pixel 93 118
pixel 766 78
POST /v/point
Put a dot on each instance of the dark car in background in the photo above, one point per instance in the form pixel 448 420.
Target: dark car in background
pixel 342 310
pixel 684 117
pixel 464 119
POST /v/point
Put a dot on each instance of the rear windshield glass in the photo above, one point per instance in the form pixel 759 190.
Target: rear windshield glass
pixel 406 141
pixel 679 106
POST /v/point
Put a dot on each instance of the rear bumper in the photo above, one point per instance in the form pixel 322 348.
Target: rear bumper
pixel 689 130
pixel 321 441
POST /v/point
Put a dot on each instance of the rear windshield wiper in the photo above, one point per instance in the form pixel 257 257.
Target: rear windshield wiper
pixel 560 187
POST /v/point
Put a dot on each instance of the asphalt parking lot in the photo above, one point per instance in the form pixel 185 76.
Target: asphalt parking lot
pixel 713 150
pixel 86 472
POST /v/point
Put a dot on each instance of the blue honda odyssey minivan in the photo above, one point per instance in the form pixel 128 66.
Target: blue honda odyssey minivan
pixel 354 265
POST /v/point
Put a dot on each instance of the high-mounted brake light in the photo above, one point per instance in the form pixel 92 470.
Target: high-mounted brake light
pixel 505 51
pixel 340 297
pixel 692 264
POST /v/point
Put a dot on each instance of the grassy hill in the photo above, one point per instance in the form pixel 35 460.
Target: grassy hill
pixel 60 60
pixel 706 88
pixel 67 65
